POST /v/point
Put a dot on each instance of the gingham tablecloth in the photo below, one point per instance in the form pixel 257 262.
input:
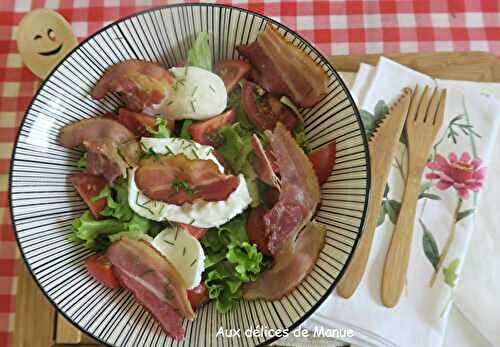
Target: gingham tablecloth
pixel 335 27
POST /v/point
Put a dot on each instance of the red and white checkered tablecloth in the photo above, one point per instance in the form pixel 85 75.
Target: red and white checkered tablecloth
pixel 335 27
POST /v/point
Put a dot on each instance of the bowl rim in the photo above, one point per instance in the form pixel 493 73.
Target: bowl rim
pixel 323 59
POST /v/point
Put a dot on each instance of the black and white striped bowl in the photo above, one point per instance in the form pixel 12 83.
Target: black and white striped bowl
pixel 44 204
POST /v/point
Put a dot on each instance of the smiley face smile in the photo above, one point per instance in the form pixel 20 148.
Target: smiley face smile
pixel 52 52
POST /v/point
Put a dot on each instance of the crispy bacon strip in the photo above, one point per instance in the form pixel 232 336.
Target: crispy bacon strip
pixel 291 266
pixel 142 85
pixel 263 165
pixel 169 319
pixel 178 180
pixel 147 271
pixel 283 69
pixel 111 146
pixel 299 194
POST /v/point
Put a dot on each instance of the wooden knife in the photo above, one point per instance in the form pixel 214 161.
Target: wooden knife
pixel 382 145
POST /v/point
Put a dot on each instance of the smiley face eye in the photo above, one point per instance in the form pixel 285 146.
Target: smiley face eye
pixel 37 37
pixel 51 34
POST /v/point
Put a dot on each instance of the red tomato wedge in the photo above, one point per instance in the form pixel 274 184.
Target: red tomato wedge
pixel 265 111
pixel 231 71
pixel 198 295
pixel 256 229
pixel 137 122
pixel 323 160
pixel 196 232
pixel 99 267
pixel 89 186
pixel 203 131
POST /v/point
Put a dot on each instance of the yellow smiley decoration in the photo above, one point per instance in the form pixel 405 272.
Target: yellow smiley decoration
pixel 43 39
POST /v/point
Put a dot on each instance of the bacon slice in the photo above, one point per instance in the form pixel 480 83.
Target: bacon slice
pixel 299 194
pixel 265 111
pixel 291 266
pixel 142 85
pixel 147 271
pixel 178 180
pixel 111 146
pixel 283 69
pixel 262 164
pixel 169 319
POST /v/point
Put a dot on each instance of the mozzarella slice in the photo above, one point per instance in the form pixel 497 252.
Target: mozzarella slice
pixel 202 214
pixel 197 94
pixel 184 252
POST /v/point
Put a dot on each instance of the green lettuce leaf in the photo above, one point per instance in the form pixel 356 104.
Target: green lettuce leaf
pixel 184 133
pixel 230 261
pixel 200 55
pixel 82 162
pixel 247 260
pixel 236 146
pixel 117 201
pixel 162 129
pixel 120 221
pixel 89 231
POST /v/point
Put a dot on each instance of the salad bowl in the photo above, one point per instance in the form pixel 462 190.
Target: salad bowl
pixel 44 204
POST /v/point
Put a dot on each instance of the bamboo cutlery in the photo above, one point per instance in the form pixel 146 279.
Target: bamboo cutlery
pixel 423 113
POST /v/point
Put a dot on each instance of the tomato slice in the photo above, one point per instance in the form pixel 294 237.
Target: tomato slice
pixel 137 122
pixel 266 111
pixel 231 71
pixel 89 186
pixel 198 295
pixel 99 267
pixel 202 132
pixel 256 229
pixel 196 232
pixel 323 161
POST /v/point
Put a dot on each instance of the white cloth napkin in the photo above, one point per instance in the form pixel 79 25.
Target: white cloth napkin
pixel 420 317
pixel 477 294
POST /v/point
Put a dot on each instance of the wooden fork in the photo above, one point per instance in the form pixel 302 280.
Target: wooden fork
pixel 425 117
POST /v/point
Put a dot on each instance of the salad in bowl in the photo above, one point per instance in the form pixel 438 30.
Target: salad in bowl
pixel 201 186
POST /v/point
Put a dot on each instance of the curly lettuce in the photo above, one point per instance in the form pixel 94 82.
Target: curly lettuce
pixel 230 261
pixel 98 234
pixel 200 55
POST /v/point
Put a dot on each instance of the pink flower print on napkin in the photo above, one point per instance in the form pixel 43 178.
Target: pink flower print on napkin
pixel 464 174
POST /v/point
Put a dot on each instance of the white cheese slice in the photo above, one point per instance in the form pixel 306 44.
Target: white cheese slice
pixel 197 94
pixel 184 252
pixel 202 214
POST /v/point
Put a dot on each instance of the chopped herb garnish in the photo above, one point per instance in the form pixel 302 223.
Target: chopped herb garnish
pixel 191 222
pixel 168 242
pixel 180 184
pixel 211 88
pixel 210 151
pixel 176 233
pixel 150 153
pixel 142 205
pixel 162 207
pixel 169 151
pixel 170 102
pixel 184 251
pixel 194 91
pixel 195 154
pixel 194 262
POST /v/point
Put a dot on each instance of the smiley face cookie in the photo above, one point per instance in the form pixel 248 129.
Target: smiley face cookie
pixel 43 39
